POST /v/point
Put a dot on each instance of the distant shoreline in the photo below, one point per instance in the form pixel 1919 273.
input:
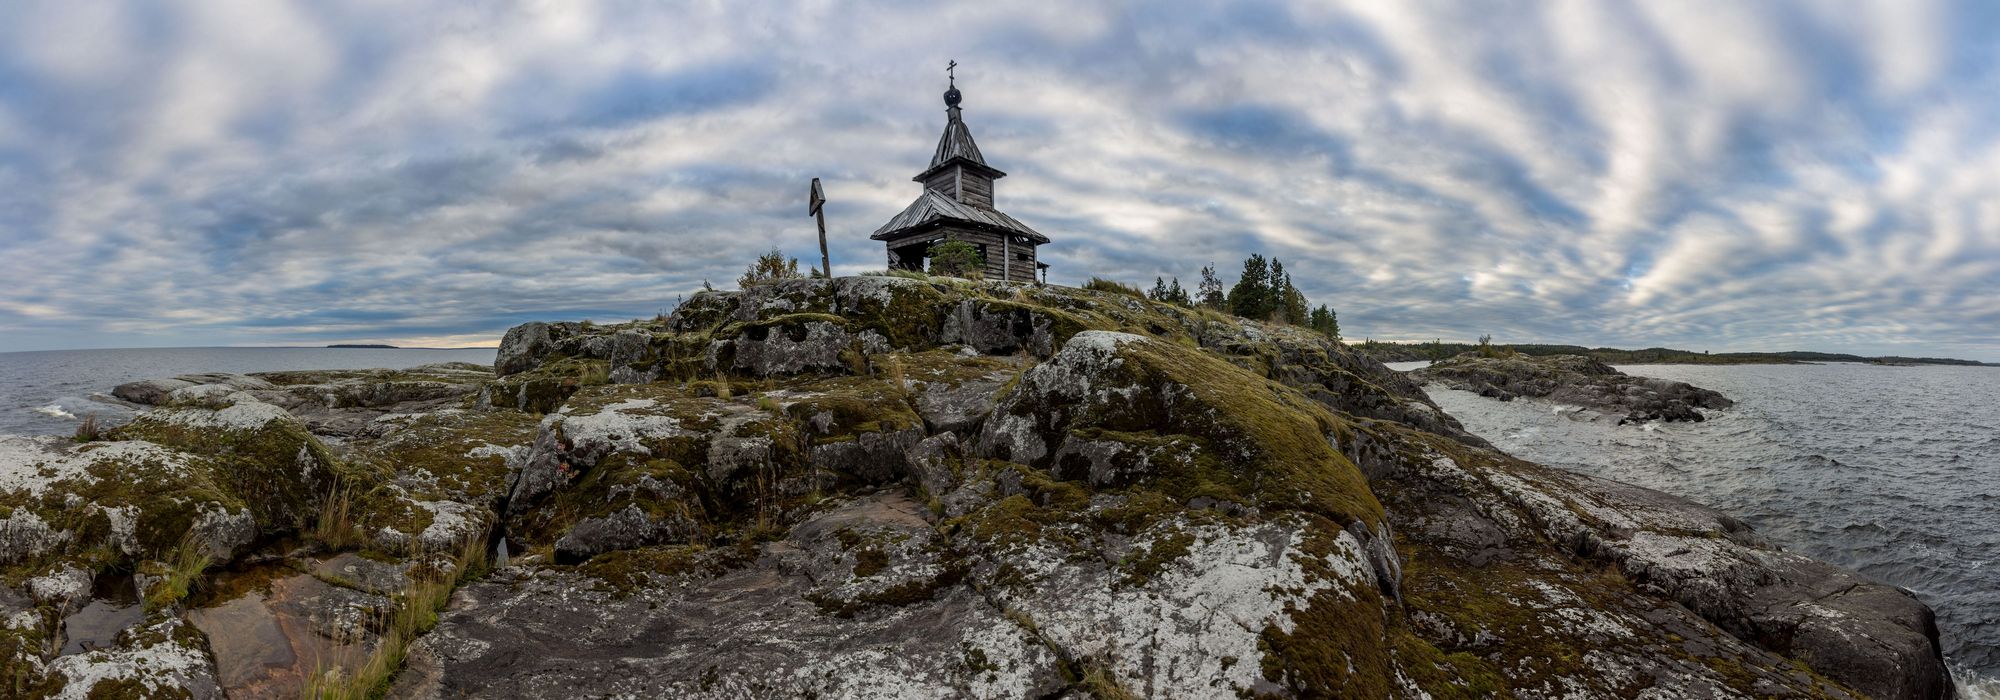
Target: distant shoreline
pixel 1418 352
pixel 251 347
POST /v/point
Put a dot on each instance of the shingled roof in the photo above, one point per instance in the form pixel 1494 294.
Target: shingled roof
pixel 934 207
pixel 956 143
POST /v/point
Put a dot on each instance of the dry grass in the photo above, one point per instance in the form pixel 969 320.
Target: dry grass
pixel 722 385
pixel 88 430
pixel 595 375
pixel 1104 285
pixel 335 526
pixel 415 613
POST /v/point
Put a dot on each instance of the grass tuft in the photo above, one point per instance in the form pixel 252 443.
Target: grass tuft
pixel 88 430
pixel 183 569
pixel 415 613
pixel 335 526
pixel 1104 285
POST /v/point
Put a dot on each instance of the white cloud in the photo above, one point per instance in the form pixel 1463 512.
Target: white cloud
pixel 1706 172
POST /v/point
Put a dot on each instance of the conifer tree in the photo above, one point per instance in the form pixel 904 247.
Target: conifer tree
pixel 1325 322
pixel 1251 297
pixel 1292 302
pixel 1210 291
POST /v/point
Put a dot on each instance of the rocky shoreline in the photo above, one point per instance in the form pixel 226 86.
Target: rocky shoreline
pixel 1577 381
pixel 887 487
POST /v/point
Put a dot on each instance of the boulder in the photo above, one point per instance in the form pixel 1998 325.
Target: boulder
pixel 522 348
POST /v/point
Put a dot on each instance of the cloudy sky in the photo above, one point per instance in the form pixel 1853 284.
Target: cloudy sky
pixel 1712 175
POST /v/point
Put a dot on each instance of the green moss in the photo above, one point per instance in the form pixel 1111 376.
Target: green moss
pixel 279 470
pixel 618 482
pixel 838 410
pixel 435 454
pixel 1246 439
pixel 1447 676
pixel 1336 649
pixel 912 316
pixel 545 388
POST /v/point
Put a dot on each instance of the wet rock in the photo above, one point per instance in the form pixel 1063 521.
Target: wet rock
pixel 151 392
pixel 270 643
pixel 1575 380
pixel 98 625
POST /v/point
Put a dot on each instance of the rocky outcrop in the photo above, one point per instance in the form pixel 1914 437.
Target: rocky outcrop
pixel 887 487
pixel 1574 380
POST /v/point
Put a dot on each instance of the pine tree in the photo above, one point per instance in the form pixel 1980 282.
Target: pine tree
pixel 1176 295
pixel 1159 290
pixel 1251 297
pixel 1210 291
pixel 1325 322
pixel 1292 302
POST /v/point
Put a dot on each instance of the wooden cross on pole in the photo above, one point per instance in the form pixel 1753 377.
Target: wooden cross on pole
pixel 815 206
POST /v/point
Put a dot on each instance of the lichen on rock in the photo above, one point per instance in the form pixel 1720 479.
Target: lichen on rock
pixel 890 487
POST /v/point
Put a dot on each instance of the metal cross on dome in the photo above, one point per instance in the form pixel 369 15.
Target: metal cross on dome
pixel 950 74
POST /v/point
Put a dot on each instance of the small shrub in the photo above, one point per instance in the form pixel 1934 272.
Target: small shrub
pixel 770 267
pixel 1104 285
pixel 957 259
pixel 1486 348
pixel 770 405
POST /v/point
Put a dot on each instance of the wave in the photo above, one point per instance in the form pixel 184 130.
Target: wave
pixel 1974 686
pixel 55 410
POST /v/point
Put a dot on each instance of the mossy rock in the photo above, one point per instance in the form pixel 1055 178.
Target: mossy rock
pixel 1245 439
pixel 257 453
pixel 458 455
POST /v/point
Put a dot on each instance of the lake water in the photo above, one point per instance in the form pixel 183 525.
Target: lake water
pixel 1890 471
pixel 46 392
